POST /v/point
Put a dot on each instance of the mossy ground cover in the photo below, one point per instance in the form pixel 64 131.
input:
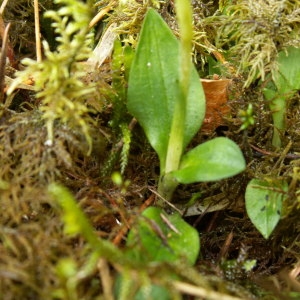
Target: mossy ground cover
pixel 38 260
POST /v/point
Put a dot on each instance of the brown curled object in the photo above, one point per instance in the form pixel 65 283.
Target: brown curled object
pixel 216 94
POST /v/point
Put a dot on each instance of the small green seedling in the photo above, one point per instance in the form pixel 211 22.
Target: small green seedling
pixel 246 117
pixel 264 200
pixel 286 81
pixel 166 97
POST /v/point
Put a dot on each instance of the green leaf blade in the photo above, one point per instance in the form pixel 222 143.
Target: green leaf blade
pixel 213 160
pixel 154 239
pixel 153 86
pixel 264 203
pixel 288 77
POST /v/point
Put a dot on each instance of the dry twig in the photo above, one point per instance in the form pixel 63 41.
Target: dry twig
pixel 38 44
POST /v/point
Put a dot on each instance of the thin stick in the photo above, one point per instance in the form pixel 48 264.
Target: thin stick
pixel 169 224
pixel 274 154
pixel 106 279
pixel 9 49
pixel 225 248
pixel 38 44
pixel 117 240
pixel 101 14
pixel 166 201
pixel 201 292
pixel 3 62
pixel 3 5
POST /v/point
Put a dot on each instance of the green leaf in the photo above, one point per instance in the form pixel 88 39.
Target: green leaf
pixel 264 202
pixel 155 239
pixel 213 160
pixel 288 77
pixel 153 86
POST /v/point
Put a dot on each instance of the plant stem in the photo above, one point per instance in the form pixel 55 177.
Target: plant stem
pixel 278 108
pixel 167 185
pixel 277 105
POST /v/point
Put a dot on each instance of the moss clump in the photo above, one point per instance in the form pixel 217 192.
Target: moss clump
pixel 253 32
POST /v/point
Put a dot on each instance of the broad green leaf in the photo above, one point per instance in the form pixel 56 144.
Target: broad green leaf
pixel 153 86
pixel 264 202
pixel 155 239
pixel 287 78
pixel 213 160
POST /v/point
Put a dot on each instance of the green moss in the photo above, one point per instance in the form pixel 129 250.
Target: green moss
pixel 252 32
